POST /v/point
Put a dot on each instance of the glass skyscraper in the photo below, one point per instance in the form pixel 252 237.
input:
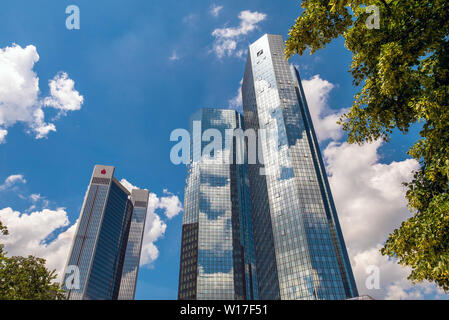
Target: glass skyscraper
pixel 299 247
pixel 217 253
pixel 139 199
pixel 99 253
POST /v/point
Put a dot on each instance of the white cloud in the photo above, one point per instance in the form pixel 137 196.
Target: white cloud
pixel 369 194
pixel 64 97
pixel 393 278
pixel 174 56
pixel 35 197
pixel 154 230
pixel 325 120
pixel 19 85
pixel 40 128
pixel 12 180
pixel 128 185
pixel 3 134
pixel 172 206
pixel 370 200
pixel 28 234
pixel 236 103
pixel 19 92
pixel 215 10
pixel 155 227
pixel 191 20
pixel 227 39
pixel 15 178
pixel 371 203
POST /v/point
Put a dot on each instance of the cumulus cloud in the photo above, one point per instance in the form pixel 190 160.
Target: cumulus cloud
pixel 43 234
pixel 371 203
pixel 370 200
pixel 29 234
pixel 20 95
pixel 370 194
pixel 11 181
pixel 3 134
pixel 171 205
pixel 154 230
pixel 155 227
pixel 325 119
pixel 215 10
pixel 63 97
pixel 393 278
pixel 227 39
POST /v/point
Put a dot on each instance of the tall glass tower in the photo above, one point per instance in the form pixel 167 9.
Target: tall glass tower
pixel 217 253
pixel 99 249
pixel 299 246
pixel 139 199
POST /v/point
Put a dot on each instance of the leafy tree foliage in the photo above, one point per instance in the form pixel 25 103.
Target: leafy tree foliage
pixel 26 278
pixel 3 229
pixel 402 69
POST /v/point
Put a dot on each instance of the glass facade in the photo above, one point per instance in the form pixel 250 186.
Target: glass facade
pixel 131 262
pixel 217 255
pixel 100 242
pixel 299 247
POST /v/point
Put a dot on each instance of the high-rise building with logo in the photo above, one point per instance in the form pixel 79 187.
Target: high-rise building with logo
pixel 217 255
pixel 299 247
pixel 99 254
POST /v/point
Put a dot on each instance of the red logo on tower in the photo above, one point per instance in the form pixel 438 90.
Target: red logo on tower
pixel 103 171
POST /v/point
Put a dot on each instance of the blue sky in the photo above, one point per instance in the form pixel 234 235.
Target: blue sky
pixel 143 67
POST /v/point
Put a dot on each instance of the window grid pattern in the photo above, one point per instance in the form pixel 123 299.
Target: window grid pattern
pixel 267 277
pixel 99 244
pixel 189 262
pixel 86 236
pixel 310 261
pixel 215 198
pixel 133 251
pixel 107 265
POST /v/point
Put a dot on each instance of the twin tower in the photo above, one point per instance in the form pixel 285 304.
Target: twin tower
pixel 251 230
pixel 104 260
pixel 267 230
